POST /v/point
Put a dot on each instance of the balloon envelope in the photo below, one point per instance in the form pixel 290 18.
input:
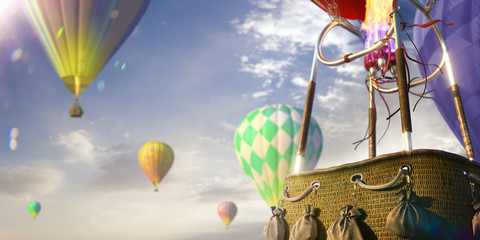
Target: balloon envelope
pixel 266 144
pixel 463 42
pixel 34 208
pixel 80 36
pixel 155 158
pixel 227 211
pixel 349 9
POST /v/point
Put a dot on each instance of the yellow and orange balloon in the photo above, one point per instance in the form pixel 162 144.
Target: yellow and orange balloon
pixel 155 158
pixel 80 36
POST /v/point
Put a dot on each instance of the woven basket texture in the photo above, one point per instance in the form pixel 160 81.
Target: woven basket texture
pixel 437 178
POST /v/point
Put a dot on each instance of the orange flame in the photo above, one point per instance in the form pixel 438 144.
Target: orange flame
pixel 377 15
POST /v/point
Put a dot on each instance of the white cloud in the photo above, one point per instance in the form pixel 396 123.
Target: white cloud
pixel 299 81
pixel 80 147
pixel 288 29
pixel 266 4
pixel 267 68
pixel 340 94
pixel 261 94
pixel 267 83
pixel 293 27
pixel 288 26
pixel 228 126
pixel 354 69
pixel 27 181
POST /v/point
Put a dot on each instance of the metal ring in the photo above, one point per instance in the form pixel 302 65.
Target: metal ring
pixel 354 177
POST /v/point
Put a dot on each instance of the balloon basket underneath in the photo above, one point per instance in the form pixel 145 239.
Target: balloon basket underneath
pixel 442 182
pixel 76 111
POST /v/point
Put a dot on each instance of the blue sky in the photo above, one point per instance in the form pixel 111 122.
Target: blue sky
pixel 193 70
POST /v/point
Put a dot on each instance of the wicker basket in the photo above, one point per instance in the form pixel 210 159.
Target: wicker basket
pixel 437 178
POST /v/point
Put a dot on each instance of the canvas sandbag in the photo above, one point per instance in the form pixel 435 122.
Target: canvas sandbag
pixel 306 227
pixel 275 228
pixel 346 227
pixel 407 220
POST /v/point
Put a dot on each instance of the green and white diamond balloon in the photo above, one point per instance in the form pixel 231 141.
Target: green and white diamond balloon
pixel 266 143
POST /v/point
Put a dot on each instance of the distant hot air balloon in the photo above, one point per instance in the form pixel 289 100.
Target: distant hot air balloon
pixel 155 158
pixel 266 143
pixel 80 36
pixel 34 208
pixel 227 211
pixel 463 42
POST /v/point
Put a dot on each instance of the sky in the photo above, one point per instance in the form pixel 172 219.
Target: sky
pixel 187 75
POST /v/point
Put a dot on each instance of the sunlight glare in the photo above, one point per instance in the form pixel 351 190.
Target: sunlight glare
pixel 4 5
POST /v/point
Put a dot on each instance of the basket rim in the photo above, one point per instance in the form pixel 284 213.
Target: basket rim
pixel 384 157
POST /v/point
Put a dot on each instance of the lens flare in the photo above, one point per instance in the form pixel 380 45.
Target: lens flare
pixel 115 64
pixel 114 14
pixel 5 6
pixel 100 86
pixel 16 55
pixel 60 31
pixel 31 70
pixel 14 132
pixel 124 65
pixel 13 144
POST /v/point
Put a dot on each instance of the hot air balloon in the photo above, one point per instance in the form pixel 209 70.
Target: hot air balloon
pixel 227 211
pixel 34 208
pixel 266 143
pixel 155 158
pixel 80 36
pixel 463 44
pixel 349 9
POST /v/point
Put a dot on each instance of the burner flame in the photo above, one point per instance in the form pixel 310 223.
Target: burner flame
pixel 376 25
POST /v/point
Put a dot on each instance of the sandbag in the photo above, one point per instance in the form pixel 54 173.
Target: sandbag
pixel 407 220
pixel 346 227
pixel 275 228
pixel 306 227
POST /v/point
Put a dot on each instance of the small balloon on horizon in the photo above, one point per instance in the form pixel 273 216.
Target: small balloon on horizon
pixel 34 208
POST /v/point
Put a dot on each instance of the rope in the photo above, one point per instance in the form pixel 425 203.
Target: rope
pixel 313 186
pixel 473 177
pixel 359 181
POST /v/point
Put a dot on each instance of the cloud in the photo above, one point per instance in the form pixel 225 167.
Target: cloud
pixel 228 126
pixel 299 81
pixel 119 174
pixel 26 181
pixel 80 147
pixel 340 94
pixel 261 94
pixel 284 31
pixel 241 231
pixel 287 26
pixel 266 68
pixel 355 70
